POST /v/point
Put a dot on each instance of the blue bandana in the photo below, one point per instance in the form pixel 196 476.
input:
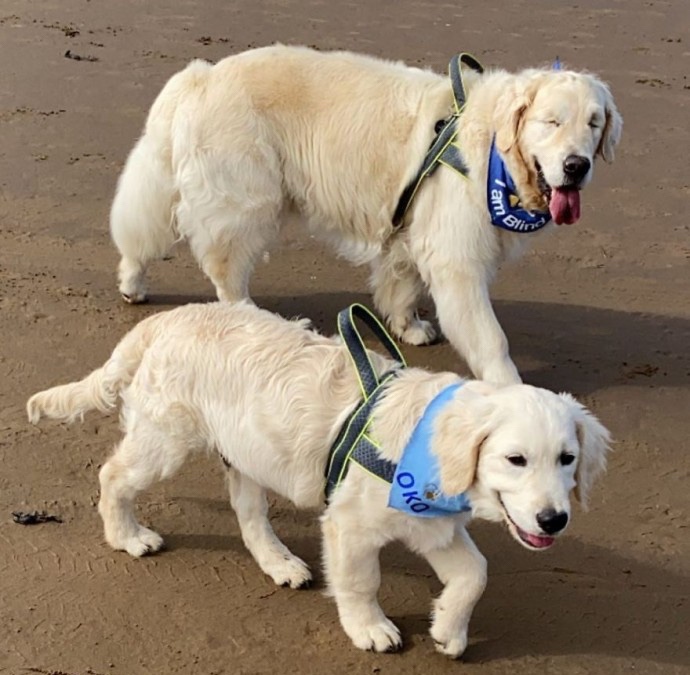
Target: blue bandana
pixel 503 200
pixel 415 488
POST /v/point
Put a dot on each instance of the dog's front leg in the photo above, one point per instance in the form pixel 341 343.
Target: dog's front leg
pixel 397 286
pixel 462 568
pixel 351 559
pixel 468 321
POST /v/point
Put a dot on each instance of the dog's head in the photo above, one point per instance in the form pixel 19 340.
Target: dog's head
pixel 519 452
pixel 550 126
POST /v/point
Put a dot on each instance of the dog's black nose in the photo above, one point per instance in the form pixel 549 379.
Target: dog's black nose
pixel 576 168
pixel 551 521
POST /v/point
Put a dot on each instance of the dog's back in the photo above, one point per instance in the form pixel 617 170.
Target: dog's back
pixel 231 377
pixel 228 148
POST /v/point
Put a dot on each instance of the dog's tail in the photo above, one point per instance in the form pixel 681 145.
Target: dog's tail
pixel 142 222
pixel 100 389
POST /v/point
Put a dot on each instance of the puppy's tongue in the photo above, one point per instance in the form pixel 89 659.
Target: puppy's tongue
pixel 565 205
pixel 537 540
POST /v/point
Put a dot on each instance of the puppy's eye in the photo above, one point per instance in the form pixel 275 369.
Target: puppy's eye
pixel 594 124
pixel 552 123
pixel 566 458
pixel 517 460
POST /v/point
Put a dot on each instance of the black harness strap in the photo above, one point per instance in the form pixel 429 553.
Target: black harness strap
pixel 367 455
pixel 368 378
pixel 443 149
pixel 351 442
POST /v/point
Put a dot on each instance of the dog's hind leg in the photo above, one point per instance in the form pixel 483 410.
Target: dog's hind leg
pixel 397 286
pixel 249 502
pixel 230 208
pixel 462 568
pixel 228 261
pixel 351 561
pixel 141 217
pixel 145 455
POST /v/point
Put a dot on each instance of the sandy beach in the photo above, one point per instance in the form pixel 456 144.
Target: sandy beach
pixel 600 309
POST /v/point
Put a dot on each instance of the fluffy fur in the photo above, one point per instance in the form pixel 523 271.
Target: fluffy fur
pixel 230 149
pixel 269 396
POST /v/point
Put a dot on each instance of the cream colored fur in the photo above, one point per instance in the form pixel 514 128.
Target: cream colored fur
pixel 269 396
pixel 230 149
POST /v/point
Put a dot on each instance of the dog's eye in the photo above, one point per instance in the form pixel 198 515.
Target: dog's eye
pixel 566 458
pixel 594 124
pixel 517 460
pixel 552 123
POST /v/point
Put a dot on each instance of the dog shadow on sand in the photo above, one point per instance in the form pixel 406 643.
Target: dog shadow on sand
pixel 572 347
pixel 577 599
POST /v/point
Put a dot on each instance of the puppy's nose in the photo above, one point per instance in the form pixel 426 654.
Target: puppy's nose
pixel 576 168
pixel 551 521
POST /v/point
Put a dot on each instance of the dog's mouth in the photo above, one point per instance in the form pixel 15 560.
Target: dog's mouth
pixel 534 542
pixel 563 201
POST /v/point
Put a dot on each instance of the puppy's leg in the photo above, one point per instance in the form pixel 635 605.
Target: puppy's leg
pixel 462 568
pixel 468 321
pixel 397 286
pixel 249 502
pixel 145 455
pixel 351 559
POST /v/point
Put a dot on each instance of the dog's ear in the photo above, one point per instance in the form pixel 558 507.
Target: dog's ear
pixel 459 432
pixel 613 127
pixel 594 441
pixel 510 110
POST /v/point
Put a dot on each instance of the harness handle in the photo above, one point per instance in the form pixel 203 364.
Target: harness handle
pixel 455 74
pixel 366 373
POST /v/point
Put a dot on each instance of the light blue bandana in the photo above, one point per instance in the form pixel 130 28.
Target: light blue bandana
pixel 503 200
pixel 415 488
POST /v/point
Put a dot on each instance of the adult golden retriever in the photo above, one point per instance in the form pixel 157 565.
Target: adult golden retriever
pixel 229 149
pixel 270 396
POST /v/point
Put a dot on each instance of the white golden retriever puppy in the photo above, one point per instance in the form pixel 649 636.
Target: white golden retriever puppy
pixel 270 396
pixel 230 149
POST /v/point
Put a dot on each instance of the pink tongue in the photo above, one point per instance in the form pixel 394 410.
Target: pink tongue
pixel 538 541
pixel 565 205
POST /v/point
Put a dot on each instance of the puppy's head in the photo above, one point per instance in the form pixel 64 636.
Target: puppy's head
pixel 550 126
pixel 519 452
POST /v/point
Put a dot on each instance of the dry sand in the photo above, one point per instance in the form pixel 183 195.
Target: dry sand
pixel 600 309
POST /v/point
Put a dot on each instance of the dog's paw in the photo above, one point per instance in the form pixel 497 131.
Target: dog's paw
pixel 289 571
pixel 144 543
pixel 419 333
pixel 450 646
pixel 382 636
pixel 134 298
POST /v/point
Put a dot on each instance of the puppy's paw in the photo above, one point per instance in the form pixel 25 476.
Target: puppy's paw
pixel 453 646
pixel 289 570
pixel 419 333
pixel 144 543
pixel 382 636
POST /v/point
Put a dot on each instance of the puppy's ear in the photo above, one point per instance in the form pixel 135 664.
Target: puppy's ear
pixel 509 111
pixel 612 128
pixel 459 433
pixel 594 441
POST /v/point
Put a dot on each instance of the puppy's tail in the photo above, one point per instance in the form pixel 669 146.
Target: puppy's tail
pixel 100 389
